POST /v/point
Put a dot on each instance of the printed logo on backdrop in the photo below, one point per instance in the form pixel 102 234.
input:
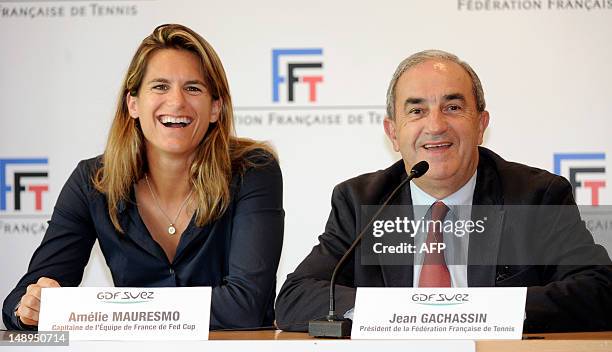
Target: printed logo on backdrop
pixel 68 9
pixel 298 95
pixel 24 187
pixel 586 173
pixel 296 72
pixel 533 5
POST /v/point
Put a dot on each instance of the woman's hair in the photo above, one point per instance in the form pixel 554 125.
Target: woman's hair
pixel 219 154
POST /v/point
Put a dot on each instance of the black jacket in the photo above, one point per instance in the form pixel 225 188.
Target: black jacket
pixel 574 294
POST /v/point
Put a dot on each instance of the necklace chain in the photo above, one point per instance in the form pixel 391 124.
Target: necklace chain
pixel 171 227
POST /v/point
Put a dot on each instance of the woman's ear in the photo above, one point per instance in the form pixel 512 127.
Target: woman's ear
pixel 132 105
pixel 216 110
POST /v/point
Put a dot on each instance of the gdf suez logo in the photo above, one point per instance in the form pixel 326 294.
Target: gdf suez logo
pixel 584 170
pixel 23 177
pixel 299 66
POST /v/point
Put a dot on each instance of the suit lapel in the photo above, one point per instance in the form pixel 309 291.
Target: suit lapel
pixel 400 275
pixel 484 248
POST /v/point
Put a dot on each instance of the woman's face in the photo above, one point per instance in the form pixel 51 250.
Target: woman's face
pixel 173 104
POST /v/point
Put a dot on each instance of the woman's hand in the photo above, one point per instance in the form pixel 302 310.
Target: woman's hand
pixel 29 306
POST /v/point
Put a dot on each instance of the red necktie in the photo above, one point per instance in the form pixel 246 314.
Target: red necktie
pixel 434 272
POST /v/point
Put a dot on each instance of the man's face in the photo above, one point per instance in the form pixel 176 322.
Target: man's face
pixel 436 119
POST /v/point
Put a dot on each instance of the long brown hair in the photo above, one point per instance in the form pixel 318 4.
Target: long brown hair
pixel 219 154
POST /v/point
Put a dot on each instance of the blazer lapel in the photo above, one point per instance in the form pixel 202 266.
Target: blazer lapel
pixel 484 247
pixel 400 275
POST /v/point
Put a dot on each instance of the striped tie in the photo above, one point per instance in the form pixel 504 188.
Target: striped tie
pixel 434 272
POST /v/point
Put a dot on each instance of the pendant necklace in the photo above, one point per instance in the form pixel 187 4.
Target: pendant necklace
pixel 171 227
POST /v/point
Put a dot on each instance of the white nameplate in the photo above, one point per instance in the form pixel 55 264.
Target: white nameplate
pixel 439 313
pixel 120 313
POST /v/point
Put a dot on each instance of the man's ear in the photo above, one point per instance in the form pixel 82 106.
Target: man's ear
pixel 215 112
pixel 391 132
pixel 132 105
pixel 483 123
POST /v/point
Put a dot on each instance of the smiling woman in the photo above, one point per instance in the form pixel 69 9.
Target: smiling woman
pixel 173 106
pixel 175 200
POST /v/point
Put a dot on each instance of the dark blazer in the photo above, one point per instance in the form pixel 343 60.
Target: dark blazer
pixel 237 254
pixel 569 296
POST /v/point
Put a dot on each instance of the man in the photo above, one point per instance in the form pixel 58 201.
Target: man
pixel 436 112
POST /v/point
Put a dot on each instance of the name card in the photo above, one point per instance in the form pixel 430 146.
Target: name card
pixel 118 313
pixel 439 313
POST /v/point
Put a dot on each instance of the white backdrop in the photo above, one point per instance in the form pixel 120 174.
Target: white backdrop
pixel 545 66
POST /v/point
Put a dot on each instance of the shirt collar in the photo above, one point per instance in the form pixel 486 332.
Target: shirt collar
pixel 463 196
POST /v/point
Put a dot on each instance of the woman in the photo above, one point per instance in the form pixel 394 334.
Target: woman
pixel 175 200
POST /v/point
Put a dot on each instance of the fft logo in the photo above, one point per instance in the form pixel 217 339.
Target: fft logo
pixel 292 77
pixel 26 178
pixel 581 167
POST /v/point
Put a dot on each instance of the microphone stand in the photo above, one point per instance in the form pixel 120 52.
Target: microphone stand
pixel 336 326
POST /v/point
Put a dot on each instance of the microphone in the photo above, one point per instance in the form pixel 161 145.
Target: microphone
pixel 419 169
pixel 333 325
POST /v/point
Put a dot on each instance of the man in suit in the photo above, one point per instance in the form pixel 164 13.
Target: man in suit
pixel 436 112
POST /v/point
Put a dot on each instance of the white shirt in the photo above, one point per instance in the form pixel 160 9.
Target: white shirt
pixel 456 251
